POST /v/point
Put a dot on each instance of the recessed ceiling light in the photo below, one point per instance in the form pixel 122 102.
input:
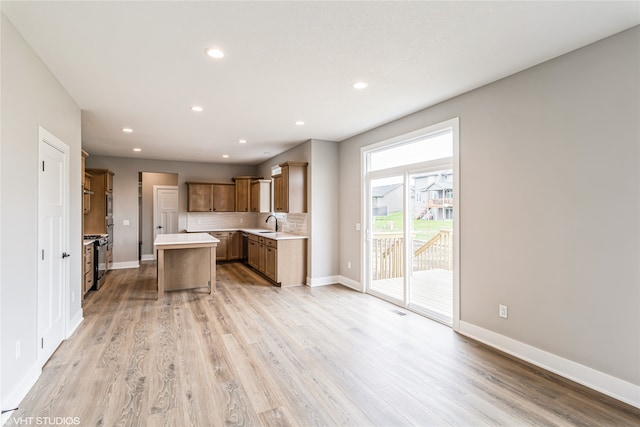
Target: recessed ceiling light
pixel 215 53
pixel 137 150
pixel 242 141
pixel 360 85
pixel 299 123
pixel 225 156
pixel 197 109
pixel 127 130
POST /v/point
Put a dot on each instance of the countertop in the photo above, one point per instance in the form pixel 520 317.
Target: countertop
pixel 184 239
pixel 269 234
pixel 88 242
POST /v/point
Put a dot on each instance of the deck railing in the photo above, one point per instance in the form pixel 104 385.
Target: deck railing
pixel 388 254
pixel 436 253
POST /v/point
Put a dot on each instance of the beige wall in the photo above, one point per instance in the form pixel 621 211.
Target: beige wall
pixel 549 204
pixel 31 97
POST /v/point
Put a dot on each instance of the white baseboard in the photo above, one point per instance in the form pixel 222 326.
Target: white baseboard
pixel 148 257
pixel 19 392
pixel 599 381
pixel 350 283
pixel 125 264
pixel 322 281
pixel 74 323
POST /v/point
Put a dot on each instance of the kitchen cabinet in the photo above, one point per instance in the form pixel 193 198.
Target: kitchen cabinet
pixel 290 188
pixel 260 199
pixel 101 202
pixel 234 246
pixel 86 193
pixel 253 252
pixel 210 197
pixel 224 197
pixel 200 197
pixel 230 245
pixel 243 189
pixel 87 282
pixel 271 259
pixel 222 249
pixel 281 261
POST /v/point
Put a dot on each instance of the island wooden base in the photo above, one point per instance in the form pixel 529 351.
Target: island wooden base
pixel 186 268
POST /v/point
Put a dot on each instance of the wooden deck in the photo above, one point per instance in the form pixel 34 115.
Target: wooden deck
pixel 431 290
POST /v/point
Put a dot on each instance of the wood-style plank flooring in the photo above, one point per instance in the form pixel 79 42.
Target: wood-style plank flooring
pixel 255 355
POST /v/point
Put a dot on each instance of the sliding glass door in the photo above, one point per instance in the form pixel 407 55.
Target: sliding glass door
pixel 410 211
pixel 387 240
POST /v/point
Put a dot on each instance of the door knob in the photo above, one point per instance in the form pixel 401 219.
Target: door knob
pixel 65 255
pixel 159 226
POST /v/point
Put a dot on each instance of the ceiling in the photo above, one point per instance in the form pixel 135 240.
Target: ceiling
pixel 143 65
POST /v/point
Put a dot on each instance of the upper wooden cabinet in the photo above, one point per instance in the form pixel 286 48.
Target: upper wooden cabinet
pixel 200 197
pixel 210 197
pixel 224 197
pixel 260 199
pixel 290 188
pixel 86 193
pixel 101 182
pixel 243 185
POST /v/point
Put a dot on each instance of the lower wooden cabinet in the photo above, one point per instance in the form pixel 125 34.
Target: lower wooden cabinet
pixel 87 282
pixel 283 262
pixel 230 246
pixel 234 250
pixel 221 249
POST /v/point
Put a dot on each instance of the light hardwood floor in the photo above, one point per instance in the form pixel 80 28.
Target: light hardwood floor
pixel 256 355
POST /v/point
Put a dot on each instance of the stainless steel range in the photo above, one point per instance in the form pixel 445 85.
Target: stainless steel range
pixel 100 242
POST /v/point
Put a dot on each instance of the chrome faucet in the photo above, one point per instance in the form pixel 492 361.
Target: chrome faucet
pixel 274 217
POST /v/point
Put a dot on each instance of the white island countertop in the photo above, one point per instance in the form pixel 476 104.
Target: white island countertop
pixel 184 239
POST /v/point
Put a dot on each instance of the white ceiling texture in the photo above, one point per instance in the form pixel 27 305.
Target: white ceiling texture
pixel 143 65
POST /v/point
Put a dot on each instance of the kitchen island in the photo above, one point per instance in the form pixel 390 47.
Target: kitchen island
pixel 186 261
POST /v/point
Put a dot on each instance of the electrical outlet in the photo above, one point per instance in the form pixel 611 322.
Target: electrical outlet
pixel 349 265
pixel 199 221
pixel 241 220
pixel 502 311
pixel 357 226
pixel 125 222
pixel 18 349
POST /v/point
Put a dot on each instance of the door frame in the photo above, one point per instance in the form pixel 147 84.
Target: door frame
pixel 365 208
pixel 46 137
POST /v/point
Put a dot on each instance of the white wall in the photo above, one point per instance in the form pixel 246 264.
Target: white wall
pixel 557 238
pixel 125 193
pixel 31 97
pixel 323 211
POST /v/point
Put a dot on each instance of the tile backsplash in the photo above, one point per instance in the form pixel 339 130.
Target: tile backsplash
pixel 291 223
pixel 205 221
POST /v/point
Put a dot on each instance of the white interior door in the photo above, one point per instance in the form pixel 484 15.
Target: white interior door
pixel 165 210
pixel 53 243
